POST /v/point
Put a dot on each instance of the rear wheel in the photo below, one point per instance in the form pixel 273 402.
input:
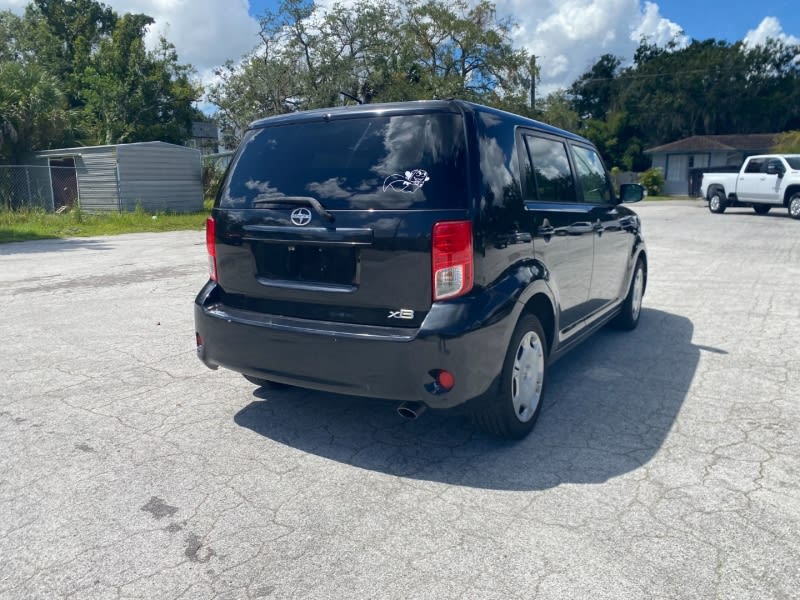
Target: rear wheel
pixel 716 201
pixel 794 206
pixel 761 209
pixel 273 385
pixel 513 413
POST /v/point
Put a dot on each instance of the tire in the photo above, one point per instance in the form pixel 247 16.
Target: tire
pixel 628 318
pixel 266 383
pixel 514 411
pixel 761 209
pixel 794 206
pixel 716 201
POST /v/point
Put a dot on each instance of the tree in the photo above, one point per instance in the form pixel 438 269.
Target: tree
pixel 558 110
pixel 62 35
pixel 133 95
pixel 373 51
pixel 595 92
pixel 33 110
pixel 787 143
pixel 707 87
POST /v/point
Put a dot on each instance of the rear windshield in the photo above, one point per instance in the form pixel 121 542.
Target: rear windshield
pixel 386 162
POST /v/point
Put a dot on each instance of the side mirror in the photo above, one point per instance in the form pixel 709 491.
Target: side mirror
pixel 774 169
pixel 631 192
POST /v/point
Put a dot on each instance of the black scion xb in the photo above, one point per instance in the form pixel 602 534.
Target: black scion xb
pixel 438 254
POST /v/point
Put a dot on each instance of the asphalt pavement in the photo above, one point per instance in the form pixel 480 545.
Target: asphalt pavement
pixel 666 462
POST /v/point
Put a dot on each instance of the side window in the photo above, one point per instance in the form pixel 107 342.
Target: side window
pixel 552 174
pixel 754 166
pixel 592 176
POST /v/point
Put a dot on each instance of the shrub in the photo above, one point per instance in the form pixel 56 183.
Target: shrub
pixel 212 177
pixel 653 181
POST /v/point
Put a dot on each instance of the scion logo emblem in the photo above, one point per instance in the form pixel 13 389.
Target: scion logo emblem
pixel 301 216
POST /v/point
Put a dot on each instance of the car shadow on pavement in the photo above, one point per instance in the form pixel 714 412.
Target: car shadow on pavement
pixel 51 245
pixel 609 407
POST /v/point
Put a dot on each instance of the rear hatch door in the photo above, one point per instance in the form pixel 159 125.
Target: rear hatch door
pixel 329 216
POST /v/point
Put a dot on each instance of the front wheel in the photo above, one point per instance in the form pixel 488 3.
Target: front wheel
pixel 761 209
pixel 628 318
pixel 716 201
pixel 794 206
pixel 514 411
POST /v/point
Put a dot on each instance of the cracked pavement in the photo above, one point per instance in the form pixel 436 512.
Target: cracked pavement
pixel 664 464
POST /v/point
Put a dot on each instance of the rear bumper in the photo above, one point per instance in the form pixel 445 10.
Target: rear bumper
pixel 376 362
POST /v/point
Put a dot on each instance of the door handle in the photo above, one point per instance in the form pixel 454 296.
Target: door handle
pixel 546 230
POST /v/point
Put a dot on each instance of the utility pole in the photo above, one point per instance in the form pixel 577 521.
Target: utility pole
pixel 533 81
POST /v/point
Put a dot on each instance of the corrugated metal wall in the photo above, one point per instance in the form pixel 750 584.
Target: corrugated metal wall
pixel 97 179
pixel 96 170
pixel 159 176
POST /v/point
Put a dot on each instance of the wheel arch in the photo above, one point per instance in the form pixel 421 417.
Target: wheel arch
pixel 541 307
pixel 790 191
pixel 713 188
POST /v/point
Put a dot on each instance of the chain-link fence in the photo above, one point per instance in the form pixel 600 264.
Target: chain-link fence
pixel 51 188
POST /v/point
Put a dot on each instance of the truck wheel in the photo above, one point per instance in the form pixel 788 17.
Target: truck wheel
pixel 716 201
pixel 628 318
pixel 794 206
pixel 513 413
pixel 761 209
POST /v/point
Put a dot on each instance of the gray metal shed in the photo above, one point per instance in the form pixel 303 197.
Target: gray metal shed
pixel 156 175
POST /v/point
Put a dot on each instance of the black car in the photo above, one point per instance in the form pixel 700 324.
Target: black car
pixel 438 254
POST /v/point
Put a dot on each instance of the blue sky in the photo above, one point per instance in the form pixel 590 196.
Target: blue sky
pixel 700 19
pixel 731 20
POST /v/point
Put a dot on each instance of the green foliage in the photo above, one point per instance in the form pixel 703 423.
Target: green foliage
pixel 86 76
pixel 132 95
pixel 33 110
pixel 708 87
pixel 653 181
pixel 212 178
pixel 373 51
pixel 788 143
pixel 558 110
pixel 32 224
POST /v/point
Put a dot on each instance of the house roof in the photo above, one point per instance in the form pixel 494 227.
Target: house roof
pixel 754 142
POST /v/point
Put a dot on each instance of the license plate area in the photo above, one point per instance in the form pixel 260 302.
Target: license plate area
pixel 307 263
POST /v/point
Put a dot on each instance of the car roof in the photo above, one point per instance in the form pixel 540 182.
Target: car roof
pixel 411 107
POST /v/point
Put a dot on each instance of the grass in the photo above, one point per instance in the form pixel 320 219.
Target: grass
pixel 37 224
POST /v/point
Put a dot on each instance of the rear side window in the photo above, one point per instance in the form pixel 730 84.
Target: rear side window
pixel 592 176
pixel 386 162
pixel 551 173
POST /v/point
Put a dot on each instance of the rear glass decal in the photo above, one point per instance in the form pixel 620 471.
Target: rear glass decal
pixel 409 182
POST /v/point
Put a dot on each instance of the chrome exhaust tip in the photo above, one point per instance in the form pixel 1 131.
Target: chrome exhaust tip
pixel 411 410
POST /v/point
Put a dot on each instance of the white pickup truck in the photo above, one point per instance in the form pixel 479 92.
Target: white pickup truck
pixel 762 182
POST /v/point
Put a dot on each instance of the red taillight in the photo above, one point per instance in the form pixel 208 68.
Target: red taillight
pixel 211 231
pixel 452 259
pixel 445 380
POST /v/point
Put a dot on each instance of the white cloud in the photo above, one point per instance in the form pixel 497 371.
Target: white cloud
pixel 206 33
pixel 568 36
pixel 769 28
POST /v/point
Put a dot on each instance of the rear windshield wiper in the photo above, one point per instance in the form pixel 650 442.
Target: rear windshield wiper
pixel 301 200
